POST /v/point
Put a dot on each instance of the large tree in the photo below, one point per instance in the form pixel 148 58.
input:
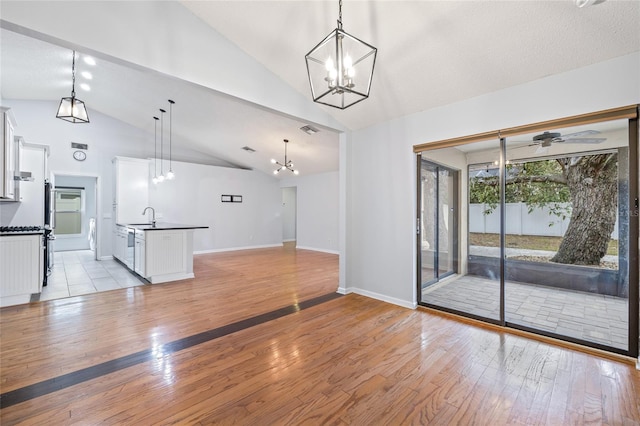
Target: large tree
pixel 588 182
pixel 593 185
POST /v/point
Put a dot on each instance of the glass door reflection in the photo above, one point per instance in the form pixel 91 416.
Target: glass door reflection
pixel 438 245
pixel 566 233
pixel 455 274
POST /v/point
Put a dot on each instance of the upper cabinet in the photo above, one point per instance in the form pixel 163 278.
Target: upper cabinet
pixel 7 155
pixel 131 191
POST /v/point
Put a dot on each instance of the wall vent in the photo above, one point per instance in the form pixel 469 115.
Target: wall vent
pixel 76 145
pixel 248 149
pixel 310 130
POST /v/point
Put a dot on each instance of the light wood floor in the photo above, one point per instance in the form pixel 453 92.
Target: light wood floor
pixel 350 360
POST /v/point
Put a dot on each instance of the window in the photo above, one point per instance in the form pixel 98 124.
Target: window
pixel 69 207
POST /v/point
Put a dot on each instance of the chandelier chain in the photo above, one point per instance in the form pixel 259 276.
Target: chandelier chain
pixel 340 14
pixel 73 75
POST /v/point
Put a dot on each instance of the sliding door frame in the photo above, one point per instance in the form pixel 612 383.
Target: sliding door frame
pixel 455 226
pixel 630 113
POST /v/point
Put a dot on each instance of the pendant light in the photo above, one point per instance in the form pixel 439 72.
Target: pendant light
pixel 288 164
pixel 340 68
pixel 161 177
pixel 170 174
pixel 72 109
pixel 155 151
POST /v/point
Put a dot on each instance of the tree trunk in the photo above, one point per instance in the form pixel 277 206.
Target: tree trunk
pixel 593 184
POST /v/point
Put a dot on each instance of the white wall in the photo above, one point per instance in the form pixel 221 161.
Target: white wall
pixel 289 214
pixel 317 214
pixel 106 138
pixel 30 210
pixel 380 240
pixel 193 198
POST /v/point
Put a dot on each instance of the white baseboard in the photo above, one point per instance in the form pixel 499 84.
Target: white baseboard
pixel 236 248
pixel 378 296
pixel 158 279
pixel 20 299
pixel 106 257
pixel 262 246
pixel 318 249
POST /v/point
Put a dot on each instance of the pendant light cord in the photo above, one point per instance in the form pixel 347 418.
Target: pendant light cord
pixel 73 75
pixel 161 141
pixel 340 14
pixel 155 148
pixel 170 133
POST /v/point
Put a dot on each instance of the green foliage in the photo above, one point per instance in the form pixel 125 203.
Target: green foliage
pixel 526 183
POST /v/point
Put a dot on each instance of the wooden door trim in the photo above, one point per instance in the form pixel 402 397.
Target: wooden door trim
pixel 626 112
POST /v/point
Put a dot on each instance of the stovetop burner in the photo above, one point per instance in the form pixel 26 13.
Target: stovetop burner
pixel 21 228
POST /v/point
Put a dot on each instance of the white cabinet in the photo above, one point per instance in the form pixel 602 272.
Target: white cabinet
pixel 159 254
pixel 116 243
pixel 21 266
pixel 139 261
pixel 168 255
pixel 131 190
pixel 7 155
pixel 120 245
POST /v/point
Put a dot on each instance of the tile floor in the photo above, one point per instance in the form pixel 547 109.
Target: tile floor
pixel 76 273
pixel 587 316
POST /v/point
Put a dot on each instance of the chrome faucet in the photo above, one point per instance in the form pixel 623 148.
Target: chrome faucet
pixel 153 215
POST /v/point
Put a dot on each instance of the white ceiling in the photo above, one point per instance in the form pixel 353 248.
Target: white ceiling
pixel 206 125
pixel 430 53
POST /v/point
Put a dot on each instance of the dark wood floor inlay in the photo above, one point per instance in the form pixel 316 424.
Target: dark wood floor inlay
pixel 57 383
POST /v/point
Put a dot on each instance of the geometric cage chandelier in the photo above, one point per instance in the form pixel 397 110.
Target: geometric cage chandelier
pixel 340 68
pixel 72 109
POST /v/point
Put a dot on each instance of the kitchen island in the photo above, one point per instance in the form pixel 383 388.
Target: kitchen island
pixel 159 252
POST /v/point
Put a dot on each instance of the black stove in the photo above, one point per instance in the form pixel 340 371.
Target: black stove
pixel 18 229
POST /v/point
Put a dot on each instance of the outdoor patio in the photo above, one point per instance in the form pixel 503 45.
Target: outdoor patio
pixel 587 316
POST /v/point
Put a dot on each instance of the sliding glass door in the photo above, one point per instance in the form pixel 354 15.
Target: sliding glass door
pixel 453 273
pixel 567 233
pixel 536 228
pixel 438 217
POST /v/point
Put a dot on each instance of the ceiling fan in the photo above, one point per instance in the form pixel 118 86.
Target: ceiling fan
pixel 545 139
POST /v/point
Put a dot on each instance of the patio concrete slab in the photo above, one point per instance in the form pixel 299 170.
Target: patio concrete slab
pixel 587 316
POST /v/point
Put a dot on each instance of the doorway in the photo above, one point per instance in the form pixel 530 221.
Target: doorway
pixel 289 215
pixel 75 213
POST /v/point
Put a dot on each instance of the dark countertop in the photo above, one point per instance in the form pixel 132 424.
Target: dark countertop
pixel 160 226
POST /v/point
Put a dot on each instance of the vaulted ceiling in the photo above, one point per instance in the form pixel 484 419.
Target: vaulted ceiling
pixel 430 53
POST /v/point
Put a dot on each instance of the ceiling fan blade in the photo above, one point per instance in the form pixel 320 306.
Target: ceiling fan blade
pixel 582 133
pixel 585 140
